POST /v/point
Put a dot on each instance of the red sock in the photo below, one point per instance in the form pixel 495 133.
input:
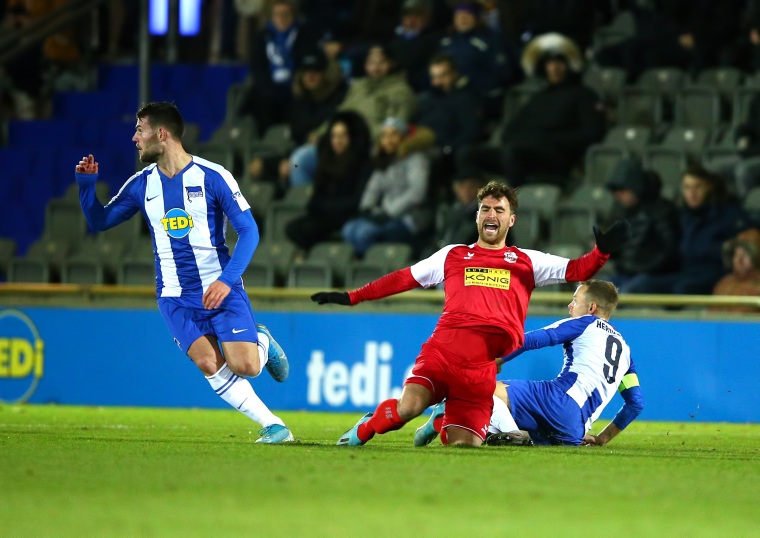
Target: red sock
pixel 438 424
pixel 384 419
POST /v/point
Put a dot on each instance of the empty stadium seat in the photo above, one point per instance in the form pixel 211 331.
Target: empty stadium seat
pixel 640 107
pixel 698 107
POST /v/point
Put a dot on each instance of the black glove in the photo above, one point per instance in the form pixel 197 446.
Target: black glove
pixel 334 297
pixel 614 238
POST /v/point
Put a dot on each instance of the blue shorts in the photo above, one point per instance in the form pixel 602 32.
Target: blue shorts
pixel 187 320
pixel 544 409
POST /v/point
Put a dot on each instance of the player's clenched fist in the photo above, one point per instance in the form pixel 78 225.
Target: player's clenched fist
pixel 87 165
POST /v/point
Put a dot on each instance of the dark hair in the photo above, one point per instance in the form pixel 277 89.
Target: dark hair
pixel 443 58
pixel 163 114
pixel 718 189
pixel 497 189
pixel 603 293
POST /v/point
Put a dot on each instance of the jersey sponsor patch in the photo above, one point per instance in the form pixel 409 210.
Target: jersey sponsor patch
pixel 177 223
pixel 487 277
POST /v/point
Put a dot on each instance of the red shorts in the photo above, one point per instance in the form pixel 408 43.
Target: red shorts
pixel 458 365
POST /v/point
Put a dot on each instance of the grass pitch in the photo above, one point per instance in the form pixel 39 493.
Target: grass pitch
pixel 76 471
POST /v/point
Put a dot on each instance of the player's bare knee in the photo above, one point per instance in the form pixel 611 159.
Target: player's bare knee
pixel 249 367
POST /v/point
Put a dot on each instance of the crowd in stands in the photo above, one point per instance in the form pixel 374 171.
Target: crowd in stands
pixel 397 111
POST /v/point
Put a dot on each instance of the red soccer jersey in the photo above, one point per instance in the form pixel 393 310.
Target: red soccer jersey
pixel 485 288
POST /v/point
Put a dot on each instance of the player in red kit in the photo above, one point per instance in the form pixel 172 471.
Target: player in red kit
pixel 487 288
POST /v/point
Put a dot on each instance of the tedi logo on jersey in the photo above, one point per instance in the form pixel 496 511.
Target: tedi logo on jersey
pixel 194 192
pixel 21 357
pixel 177 223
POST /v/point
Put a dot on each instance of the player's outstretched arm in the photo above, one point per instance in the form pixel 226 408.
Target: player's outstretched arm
pixel 390 284
pixel 602 438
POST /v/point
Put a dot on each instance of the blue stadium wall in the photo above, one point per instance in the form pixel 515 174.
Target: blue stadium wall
pixel 344 361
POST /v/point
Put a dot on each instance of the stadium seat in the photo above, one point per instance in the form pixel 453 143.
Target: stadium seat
pixel 7 252
pixel 631 138
pixel 751 203
pixel 575 217
pixel 134 272
pixel 359 274
pixel 259 195
pixel 279 214
pixel 65 222
pixel 278 254
pixel 276 142
pixel 622 27
pixel 220 155
pixel 691 141
pixel 82 272
pixel 259 274
pixel 235 95
pixel 726 80
pixel 669 164
pixel 600 162
pixel 336 255
pixel 698 107
pixel 742 100
pixel 389 256
pixel 665 81
pixel 29 270
pixel 640 107
pixel 310 275
pixel 607 82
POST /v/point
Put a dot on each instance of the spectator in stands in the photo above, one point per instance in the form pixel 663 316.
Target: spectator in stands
pixel 687 34
pixel 744 52
pixel 743 168
pixel 455 223
pixel 23 73
pixel 709 217
pixel 478 54
pixel 655 230
pixel 383 93
pixel 274 55
pixel 451 108
pixel 415 42
pixel 341 175
pixel 318 89
pixel 549 135
pixel 392 207
pixel 742 256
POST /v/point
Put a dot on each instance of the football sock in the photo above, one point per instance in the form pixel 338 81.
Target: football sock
pixel 501 418
pixel 263 345
pixel 384 419
pixel 238 392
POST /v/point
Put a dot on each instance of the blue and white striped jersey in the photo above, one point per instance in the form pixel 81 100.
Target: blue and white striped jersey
pixel 187 217
pixel 596 359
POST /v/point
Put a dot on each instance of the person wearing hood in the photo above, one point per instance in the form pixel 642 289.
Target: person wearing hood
pixel 415 42
pixel 549 135
pixel 742 256
pixel 652 248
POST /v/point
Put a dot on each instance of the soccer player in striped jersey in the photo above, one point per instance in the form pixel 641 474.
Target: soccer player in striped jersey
pixel 487 288
pixel 597 364
pixel 187 202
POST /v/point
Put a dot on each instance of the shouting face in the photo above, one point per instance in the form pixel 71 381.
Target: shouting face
pixel 494 220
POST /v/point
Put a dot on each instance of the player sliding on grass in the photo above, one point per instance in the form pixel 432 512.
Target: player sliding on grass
pixel 560 412
pixel 487 286
pixel 187 202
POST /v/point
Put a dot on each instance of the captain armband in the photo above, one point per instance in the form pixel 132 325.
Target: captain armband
pixel 628 381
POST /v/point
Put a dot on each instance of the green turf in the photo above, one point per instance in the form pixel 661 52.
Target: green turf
pixel 76 471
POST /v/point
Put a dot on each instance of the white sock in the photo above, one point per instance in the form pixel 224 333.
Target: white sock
pixel 263 351
pixel 238 392
pixel 501 418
